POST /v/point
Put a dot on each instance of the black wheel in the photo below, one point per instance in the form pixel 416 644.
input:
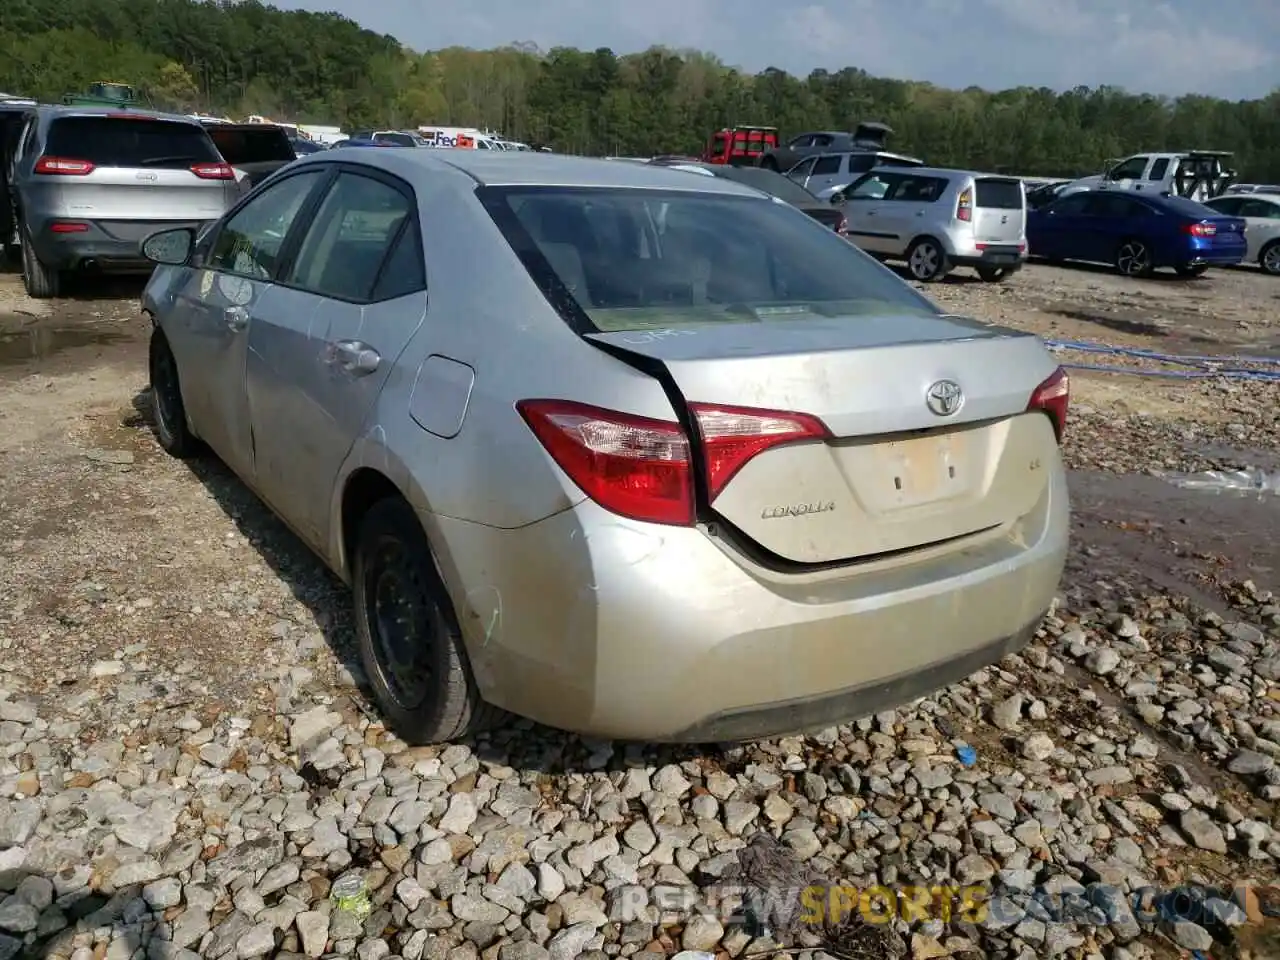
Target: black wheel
pixel 1269 258
pixel 769 163
pixel 1133 258
pixel 167 409
pixel 994 274
pixel 41 282
pixel 927 261
pixel 410 644
pixel 1189 270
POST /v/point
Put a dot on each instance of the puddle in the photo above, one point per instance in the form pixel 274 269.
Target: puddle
pixel 42 341
pixel 1143 328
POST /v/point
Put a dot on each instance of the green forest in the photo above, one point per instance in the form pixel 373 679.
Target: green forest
pixel 238 58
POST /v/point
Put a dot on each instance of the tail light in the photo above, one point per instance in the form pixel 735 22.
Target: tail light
pixel 63 167
pixel 632 466
pixel 732 436
pixel 214 171
pixel 1053 397
pixel 964 206
pixel 68 226
pixel 642 468
pixel 1201 229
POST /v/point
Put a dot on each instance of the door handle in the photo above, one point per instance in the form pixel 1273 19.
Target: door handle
pixel 355 357
pixel 237 318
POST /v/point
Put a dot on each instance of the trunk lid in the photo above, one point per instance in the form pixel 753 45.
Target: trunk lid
pixel 1230 231
pixel 999 214
pixel 893 476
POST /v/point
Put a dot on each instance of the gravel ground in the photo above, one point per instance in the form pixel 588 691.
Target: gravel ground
pixel 188 766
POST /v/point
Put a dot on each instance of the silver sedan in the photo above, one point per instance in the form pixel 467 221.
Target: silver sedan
pixel 627 451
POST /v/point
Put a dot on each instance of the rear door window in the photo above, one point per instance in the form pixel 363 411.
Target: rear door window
pixel 918 189
pixel 995 194
pixel 826 165
pixel 131 142
pixel 1258 209
pixel 1159 169
pixel 352 233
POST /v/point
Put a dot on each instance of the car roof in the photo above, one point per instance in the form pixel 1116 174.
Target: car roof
pixel 66 110
pixel 939 171
pixel 509 168
pixel 1259 195
pixel 863 151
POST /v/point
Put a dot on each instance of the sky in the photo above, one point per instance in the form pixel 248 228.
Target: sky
pixel 1231 49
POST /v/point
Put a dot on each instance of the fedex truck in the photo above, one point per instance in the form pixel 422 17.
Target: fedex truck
pixel 466 138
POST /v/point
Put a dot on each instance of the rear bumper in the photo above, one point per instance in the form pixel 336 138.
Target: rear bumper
pixel 617 629
pixel 1006 257
pixel 117 249
pixel 1205 258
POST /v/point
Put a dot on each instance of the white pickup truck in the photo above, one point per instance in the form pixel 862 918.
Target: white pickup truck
pixel 1195 174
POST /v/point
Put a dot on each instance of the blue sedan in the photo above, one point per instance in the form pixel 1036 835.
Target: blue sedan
pixel 1136 232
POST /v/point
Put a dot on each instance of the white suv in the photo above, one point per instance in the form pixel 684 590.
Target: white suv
pixel 938 219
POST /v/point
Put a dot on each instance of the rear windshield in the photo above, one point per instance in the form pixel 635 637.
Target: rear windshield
pixel 1188 208
pixel 774 184
pixel 240 145
pixel 635 259
pixel 999 194
pixel 130 142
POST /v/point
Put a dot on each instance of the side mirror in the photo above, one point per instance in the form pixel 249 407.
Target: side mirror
pixel 170 247
pixel 838 199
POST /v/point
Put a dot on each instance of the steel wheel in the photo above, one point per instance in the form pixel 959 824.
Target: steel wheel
pixel 167 407
pixel 1133 259
pixel 405 625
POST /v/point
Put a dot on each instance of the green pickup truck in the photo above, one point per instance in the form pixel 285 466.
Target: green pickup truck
pixel 102 94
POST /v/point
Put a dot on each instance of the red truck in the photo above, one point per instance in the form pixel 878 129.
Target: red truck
pixel 739 146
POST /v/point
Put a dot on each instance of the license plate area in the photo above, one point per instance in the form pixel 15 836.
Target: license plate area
pixel 912 472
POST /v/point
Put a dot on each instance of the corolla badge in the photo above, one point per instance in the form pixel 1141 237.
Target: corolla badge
pixel 944 398
pixel 797 510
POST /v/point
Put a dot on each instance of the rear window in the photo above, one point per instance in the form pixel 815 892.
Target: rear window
pixel 774 184
pixel 1183 207
pixel 240 145
pixel 999 194
pixel 616 260
pixel 130 142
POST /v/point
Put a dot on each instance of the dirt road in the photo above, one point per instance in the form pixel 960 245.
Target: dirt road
pixel 168 641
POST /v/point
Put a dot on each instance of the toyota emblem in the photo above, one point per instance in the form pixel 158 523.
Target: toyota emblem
pixel 944 398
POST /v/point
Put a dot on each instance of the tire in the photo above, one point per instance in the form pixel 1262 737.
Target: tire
pixel 1133 258
pixel 769 163
pixel 1269 258
pixel 994 274
pixel 927 262
pixel 169 413
pixel 394 574
pixel 1192 270
pixel 41 282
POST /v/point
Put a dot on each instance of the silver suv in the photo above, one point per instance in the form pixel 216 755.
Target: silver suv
pixel 89 184
pixel 819 174
pixel 938 219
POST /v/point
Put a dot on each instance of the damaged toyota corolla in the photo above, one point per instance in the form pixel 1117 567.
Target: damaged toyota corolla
pixel 626 451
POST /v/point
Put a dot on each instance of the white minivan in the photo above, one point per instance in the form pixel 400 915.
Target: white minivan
pixel 937 219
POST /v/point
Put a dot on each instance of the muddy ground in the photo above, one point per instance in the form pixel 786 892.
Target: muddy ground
pixel 115 552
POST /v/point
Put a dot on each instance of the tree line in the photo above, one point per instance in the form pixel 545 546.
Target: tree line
pixel 242 57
